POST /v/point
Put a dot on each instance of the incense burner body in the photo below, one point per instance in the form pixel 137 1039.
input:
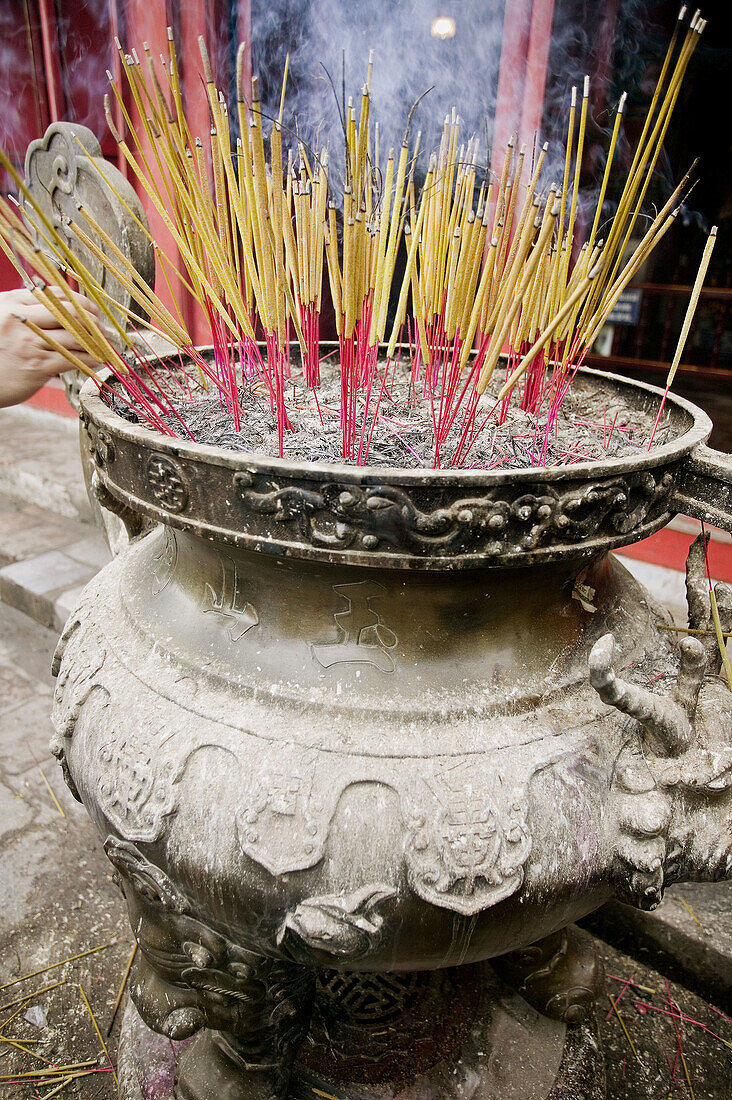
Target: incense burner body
pixel 348 734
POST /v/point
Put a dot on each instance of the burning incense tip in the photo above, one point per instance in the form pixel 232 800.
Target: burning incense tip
pixel 170 34
pixel 586 89
pixel 573 101
pixel 240 72
pixel 208 74
pixel 621 103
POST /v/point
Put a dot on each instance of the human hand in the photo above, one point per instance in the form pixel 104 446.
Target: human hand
pixel 26 362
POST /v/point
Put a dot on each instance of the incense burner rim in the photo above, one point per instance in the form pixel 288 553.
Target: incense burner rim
pixel 427 520
pixel 698 432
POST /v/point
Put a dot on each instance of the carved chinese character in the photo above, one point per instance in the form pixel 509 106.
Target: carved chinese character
pixel 362 636
pixel 228 600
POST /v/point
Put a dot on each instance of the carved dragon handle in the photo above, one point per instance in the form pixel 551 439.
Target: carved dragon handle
pixel 670 816
pixel 704 488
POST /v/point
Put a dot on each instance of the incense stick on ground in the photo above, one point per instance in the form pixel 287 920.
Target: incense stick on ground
pixel 56 1071
pixel 56 802
pixel 120 992
pixel 96 1028
pixel 54 966
pixel 622 1024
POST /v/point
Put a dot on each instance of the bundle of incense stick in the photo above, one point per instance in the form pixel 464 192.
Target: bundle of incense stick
pixel 493 268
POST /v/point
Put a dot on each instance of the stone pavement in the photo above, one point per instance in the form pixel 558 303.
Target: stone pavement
pixel 45 560
pixel 49 548
pixel 56 895
pixel 57 899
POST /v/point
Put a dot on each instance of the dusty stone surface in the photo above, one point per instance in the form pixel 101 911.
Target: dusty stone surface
pixel 650 1068
pixel 658 1070
pixel 39 462
pixel 56 894
pixel 689 935
pixel 45 559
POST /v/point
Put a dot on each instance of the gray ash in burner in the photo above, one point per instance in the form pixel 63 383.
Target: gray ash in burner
pixel 592 424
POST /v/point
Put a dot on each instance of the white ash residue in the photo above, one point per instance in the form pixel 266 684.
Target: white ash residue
pixel 591 425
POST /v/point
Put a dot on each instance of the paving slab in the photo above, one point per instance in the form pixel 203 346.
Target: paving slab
pixel 34 585
pixel 689 935
pixel 45 560
pixel 27 530
pixel 39 462
pixel 26 648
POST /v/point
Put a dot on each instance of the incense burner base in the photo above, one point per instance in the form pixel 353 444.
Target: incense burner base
pixel 451 1034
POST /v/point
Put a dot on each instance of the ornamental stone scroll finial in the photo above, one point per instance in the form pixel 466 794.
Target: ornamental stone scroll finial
pixel 68 177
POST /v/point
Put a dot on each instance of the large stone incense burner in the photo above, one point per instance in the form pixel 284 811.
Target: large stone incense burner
pixel 348 734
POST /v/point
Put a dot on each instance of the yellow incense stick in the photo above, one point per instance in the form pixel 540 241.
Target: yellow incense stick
pixel 54 966
pixel 284 86
pixel 96 1028
pixel 691 309
pixel 622 1024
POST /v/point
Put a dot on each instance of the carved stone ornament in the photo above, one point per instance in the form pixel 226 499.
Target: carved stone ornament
pixel 679 750
pixel 189 977
pixel 348 926
pixel 167 483
pixel 500 522
pixel 468 839
pixel 68 176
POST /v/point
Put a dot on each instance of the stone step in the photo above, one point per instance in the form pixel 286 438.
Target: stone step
pixel 39 462
pixel 45 560
pixel 689 936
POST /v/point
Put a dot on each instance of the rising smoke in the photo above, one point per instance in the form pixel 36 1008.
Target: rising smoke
pixel 330 38
pixel 329 43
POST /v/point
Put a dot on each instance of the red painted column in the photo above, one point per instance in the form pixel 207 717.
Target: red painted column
pixel 244 28
pixel 509 95
pixel 605 51
pixel 532 107
pixel 147 21
pixel 51 60
pixel 193 20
